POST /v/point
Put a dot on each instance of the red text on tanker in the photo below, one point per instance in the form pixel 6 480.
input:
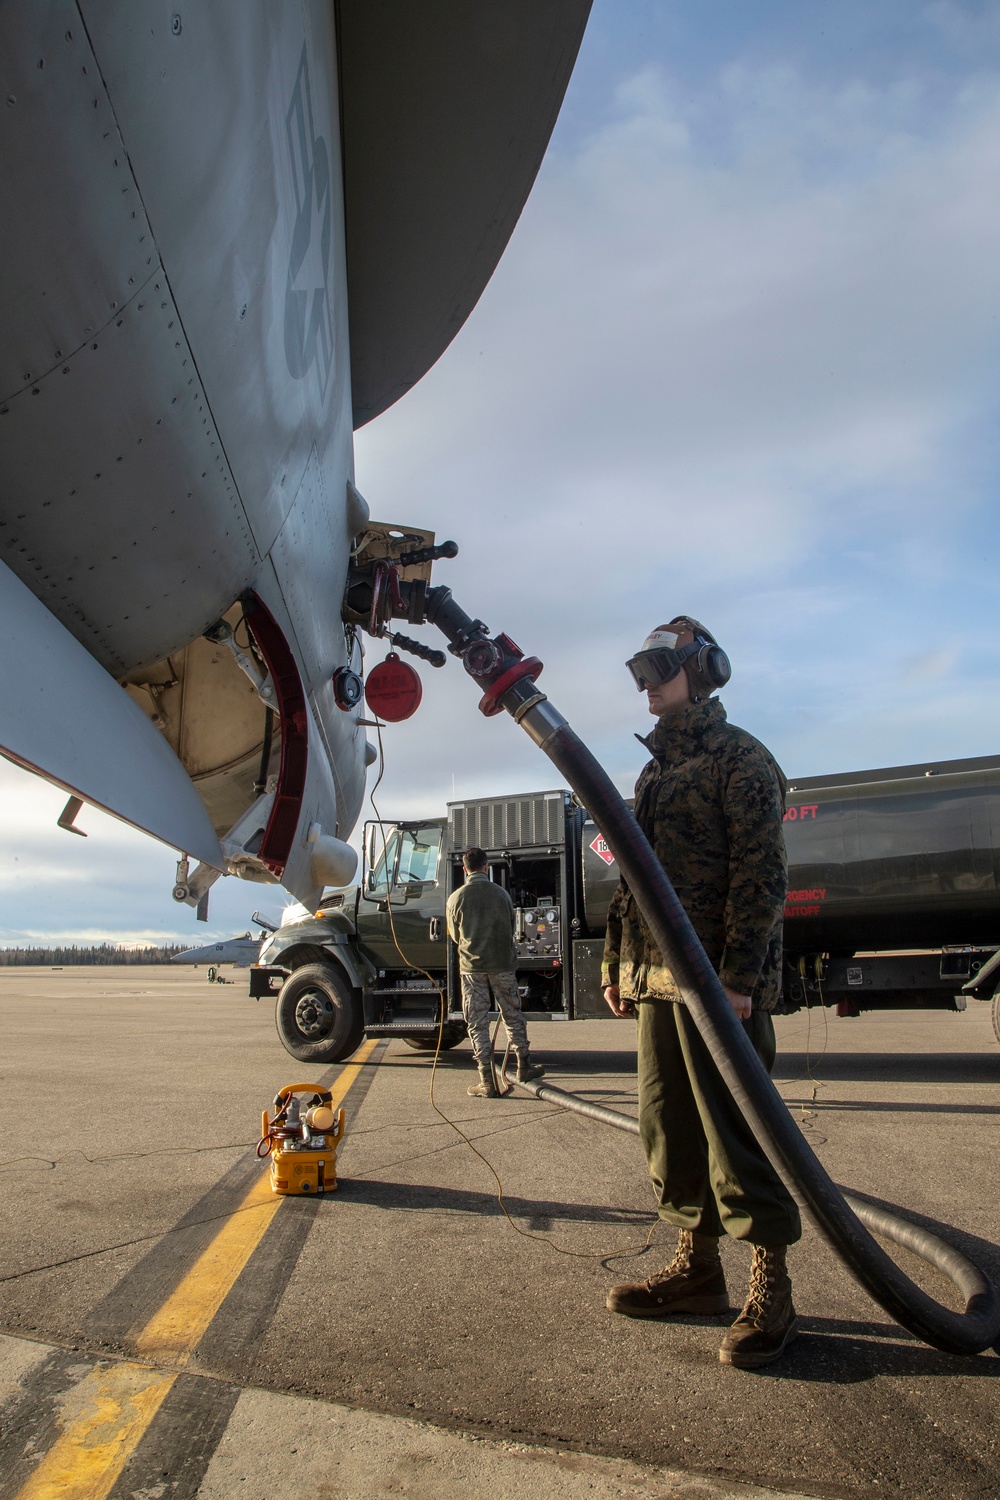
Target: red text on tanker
pixel 803 810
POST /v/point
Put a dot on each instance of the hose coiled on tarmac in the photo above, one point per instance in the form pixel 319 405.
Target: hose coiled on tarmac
pixel 965 1275
pixel 841 1219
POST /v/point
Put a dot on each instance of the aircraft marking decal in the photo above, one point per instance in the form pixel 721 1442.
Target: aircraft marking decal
pixel 308 306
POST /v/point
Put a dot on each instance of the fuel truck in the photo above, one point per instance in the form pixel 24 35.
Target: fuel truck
pixel 893 904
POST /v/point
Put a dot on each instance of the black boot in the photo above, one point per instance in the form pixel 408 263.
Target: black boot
pixel 485 1088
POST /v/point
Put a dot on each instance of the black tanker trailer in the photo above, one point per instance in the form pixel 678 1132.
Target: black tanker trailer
pixel 906 857
pixel 893 885
pixel 893 903
pixel 884 866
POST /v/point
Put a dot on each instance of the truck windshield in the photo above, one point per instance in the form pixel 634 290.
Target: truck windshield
pixel 404 856
pixel 418 855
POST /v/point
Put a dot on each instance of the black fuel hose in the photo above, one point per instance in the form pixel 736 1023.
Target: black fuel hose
pixel 968 1332
pixel 930 1247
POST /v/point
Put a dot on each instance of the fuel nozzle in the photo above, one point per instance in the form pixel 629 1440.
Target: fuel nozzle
pixel 496 663
pixel 377 594
pixel 499 665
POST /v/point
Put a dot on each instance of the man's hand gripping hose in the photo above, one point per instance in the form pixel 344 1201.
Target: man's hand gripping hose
pixel 508 682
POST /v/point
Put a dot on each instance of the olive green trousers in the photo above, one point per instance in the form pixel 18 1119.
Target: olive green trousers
pixel 709 1173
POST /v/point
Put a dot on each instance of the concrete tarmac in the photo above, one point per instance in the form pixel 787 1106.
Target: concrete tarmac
pixel 404 1336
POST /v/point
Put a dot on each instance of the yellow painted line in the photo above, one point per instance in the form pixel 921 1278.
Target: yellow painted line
pixel 113 1407
pixel 175 1330
pixel 108 1413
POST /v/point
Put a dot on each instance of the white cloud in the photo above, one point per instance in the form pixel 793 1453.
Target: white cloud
pixel 113 885
pixel 753 384
pixel 930 666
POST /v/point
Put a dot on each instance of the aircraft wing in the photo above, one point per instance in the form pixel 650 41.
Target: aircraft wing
pixel 50 705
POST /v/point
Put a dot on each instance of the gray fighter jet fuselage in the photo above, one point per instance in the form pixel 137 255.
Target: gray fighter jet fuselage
pixel 233 231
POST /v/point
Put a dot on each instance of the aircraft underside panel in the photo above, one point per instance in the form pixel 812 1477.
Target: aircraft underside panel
pixel 48 710
pixel 243 94
pixel 130 529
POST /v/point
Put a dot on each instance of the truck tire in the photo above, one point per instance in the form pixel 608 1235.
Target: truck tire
pixel 996 1015
pixel 453 1033
pixel 319 1016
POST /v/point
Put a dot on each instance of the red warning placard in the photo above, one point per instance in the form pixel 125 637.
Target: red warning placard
pixel 600 848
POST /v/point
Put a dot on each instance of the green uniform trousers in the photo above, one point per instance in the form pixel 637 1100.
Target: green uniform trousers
pixel 709 1173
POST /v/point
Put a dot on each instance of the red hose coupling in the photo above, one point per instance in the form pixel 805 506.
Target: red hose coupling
pixel 489 703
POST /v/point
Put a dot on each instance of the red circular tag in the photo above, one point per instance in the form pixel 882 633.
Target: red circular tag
pixel 393 689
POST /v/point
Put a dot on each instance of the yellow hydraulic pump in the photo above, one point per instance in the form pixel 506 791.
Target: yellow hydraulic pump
pixel 302 1147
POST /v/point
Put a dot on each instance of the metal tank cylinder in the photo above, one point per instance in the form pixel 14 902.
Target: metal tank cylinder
pixel 901 857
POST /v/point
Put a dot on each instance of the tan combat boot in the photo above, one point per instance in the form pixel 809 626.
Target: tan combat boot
pixel 692 1283
pixel 485 1088
pixel 767 1322
pixel 526 1069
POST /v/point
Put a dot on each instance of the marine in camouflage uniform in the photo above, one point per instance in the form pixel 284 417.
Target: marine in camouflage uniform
pixel 711 803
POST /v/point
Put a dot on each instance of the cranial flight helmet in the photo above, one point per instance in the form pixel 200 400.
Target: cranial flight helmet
pixel 683 643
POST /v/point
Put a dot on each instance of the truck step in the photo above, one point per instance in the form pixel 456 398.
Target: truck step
pixel 399 1028
pixel 400 992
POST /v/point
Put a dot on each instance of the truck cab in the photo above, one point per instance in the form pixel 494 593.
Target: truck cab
pixel 375 960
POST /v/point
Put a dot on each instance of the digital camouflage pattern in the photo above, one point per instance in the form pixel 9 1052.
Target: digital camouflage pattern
pixel 479 993
pixel 711 803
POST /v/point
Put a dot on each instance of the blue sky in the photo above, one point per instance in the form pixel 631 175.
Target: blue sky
pixel 741 359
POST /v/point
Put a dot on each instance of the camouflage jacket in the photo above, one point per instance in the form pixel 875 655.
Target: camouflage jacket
pixel 711 803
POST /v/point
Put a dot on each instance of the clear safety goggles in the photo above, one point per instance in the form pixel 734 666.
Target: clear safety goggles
pixel 650 668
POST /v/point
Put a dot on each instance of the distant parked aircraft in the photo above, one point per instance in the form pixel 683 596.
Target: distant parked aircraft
pixel 241 951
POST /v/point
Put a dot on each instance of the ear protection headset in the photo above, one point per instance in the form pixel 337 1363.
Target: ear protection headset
pixel 708 667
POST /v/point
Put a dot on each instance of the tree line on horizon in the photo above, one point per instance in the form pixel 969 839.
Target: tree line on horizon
pixel 97 953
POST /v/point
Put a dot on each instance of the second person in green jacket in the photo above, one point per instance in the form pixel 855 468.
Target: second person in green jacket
pixel 480 918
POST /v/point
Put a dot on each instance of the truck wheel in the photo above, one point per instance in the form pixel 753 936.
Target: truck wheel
pixel 318 1015
pixel 454 1032
pixel 996 1015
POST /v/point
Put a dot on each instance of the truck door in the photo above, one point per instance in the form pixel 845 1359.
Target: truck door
pixel 402 871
